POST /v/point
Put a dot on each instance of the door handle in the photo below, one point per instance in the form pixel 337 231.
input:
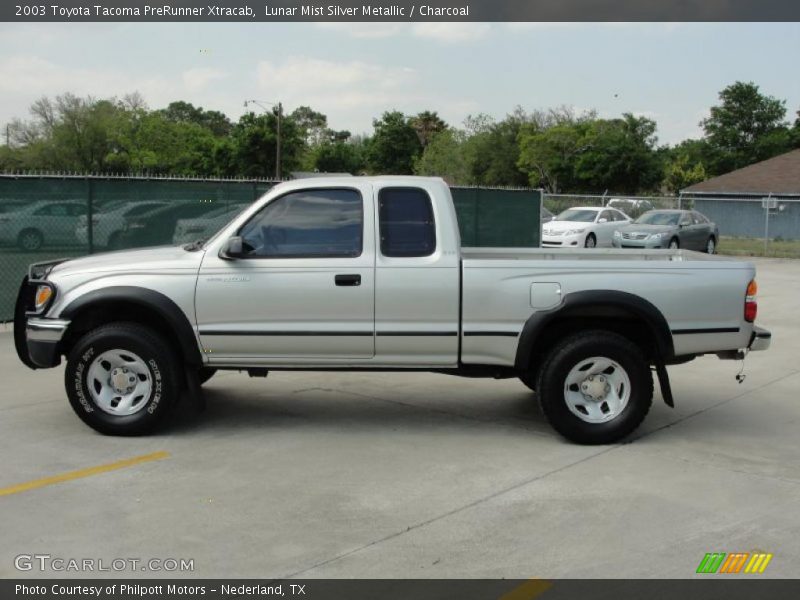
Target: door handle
pixel 347 280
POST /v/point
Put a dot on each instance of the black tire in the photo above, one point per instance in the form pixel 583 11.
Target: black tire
pixel 205 374
pixel 30 240
pixel 676 242
pixel 529 379
pixel 161 362
pixel 711 245
pixel 568 354
pixel 592 243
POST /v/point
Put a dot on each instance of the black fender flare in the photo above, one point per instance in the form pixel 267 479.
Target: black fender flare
pixel 574 302
pixel 149 299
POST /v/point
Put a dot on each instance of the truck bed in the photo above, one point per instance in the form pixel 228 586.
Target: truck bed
pixel 700 296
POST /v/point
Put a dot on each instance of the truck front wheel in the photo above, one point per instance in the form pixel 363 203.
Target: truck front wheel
pixel 595 387
pixel 122 379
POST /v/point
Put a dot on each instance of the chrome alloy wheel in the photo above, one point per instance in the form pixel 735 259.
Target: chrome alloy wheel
pixel 119 382
pixel 597 389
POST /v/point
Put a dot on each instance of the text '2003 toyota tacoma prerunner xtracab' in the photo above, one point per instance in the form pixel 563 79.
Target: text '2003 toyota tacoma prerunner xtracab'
pixel 368 274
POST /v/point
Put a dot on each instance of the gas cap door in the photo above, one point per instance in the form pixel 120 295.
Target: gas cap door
pixel 545 295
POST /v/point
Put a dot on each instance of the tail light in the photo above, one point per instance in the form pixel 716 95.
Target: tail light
pixel 750 304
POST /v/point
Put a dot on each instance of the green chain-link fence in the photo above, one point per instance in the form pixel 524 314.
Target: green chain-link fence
pixel 47 216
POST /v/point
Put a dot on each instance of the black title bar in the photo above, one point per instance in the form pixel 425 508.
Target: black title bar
pixel 399 10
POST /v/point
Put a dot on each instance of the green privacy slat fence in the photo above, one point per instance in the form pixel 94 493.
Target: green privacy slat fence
pixel 48 216
pixel 495 217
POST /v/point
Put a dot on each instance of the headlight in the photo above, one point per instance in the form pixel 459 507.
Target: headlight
pixel 656 236
pixel 44 293
pixel 574 231
pixel 617 234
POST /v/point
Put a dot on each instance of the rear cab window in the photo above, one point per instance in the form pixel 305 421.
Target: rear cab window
pixel 407 227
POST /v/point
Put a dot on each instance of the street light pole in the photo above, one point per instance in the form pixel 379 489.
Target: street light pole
pixel 260 103
pixel 278 144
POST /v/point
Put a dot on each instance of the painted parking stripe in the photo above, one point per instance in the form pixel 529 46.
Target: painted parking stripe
pixel 81 473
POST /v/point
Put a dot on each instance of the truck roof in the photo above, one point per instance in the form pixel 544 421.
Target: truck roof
pixel 343 180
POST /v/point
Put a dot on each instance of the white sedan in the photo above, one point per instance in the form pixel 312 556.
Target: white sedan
pixel 583 227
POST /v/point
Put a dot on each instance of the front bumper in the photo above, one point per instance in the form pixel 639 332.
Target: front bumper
pixel 36 338
pixel 563 241
pixel 42 339
pixel 643 244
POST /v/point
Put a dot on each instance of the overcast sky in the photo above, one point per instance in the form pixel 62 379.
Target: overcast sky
pixel 353 72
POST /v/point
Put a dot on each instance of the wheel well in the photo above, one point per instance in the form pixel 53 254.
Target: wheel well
pixel 545 331
pixel 100 313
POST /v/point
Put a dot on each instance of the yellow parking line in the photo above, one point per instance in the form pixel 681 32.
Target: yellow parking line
pixel 80 473
pixel 528 590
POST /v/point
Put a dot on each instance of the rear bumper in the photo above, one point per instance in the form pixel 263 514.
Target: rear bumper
pixel 760 339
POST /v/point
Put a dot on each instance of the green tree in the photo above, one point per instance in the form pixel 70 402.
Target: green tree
pixel 620 156
pixel 339 156
pixel 548 156
pixel 394 145
pixel 746 127
pixel 255 143
pixel 427 124
pixel 444 156
pixel 493 151
pixel 680 173
pixel 185 112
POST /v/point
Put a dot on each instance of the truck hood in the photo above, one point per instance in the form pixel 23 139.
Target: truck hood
pixel 144 259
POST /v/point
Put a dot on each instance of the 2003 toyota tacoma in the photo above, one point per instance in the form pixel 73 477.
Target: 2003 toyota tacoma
pixel 369 274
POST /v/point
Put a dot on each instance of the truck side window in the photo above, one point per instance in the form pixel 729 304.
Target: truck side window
pixel 406 222
pixel 324 223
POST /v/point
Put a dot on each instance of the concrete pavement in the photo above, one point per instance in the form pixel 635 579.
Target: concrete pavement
pixel 419 475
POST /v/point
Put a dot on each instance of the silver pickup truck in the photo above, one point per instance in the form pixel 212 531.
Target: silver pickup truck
pixel 369 274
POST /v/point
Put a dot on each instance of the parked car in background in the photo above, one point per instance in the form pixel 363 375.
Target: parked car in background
pixel 109 221
pixel 633 207
pixel 157 226
pixel 669 229
pixel 583 226
pixel 41 223
pixel 203 227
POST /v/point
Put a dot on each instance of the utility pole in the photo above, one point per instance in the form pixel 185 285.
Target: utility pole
pixel 262 104
pixel 278 145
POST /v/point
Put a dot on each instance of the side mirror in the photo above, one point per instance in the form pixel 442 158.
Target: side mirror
pixel 232 248
pixel 602 220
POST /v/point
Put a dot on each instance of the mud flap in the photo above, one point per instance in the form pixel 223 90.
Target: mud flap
pixel 194 390
pixel 663 382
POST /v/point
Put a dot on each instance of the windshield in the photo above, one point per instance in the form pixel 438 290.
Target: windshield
pixel 658 218
pixel 577 214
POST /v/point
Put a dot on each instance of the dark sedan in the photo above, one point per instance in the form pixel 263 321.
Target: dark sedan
pixel 669 229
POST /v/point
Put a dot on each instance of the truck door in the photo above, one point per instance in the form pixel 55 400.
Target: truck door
pixel 417 277
pixel 305 288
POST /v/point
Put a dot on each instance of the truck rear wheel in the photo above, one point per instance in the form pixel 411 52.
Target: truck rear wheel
pixel 122 379
pixel 595 387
